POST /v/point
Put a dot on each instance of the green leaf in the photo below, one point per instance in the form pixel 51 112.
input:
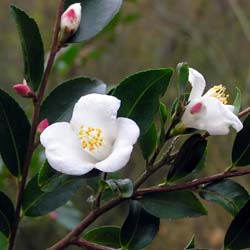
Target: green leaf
pixel 66 96
pixel 32 47
pixel 37 203
pixel 96 14
pixel 106 236
pixel 3 242
pixel 237 236
pixel 190 245
pixel 148 142
pixel 182 72
pixel 45 174
pixel 124 187
pixel 14 134
pixel 173 205
pixel 139 228
pixel 237 101
pixel 241 147
pixel 188 158
pixel 227 193
pixel 163 114
pixel 7 214
pixel 139 95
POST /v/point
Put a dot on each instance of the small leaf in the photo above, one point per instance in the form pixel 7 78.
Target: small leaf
pixel 7 214
pixel 106 236
pixel 227 193
pixel 139 228
pixel 123 186
pixel 96 14
pixel 237 101
pixel 241 147
pixel 173 205
pixel 37 203
pixel 139 95
pixel 182 71
pixel 237 236
pixel 188 158
pixel 66 96
pixel 14 134
pixel 32 47
pixel 190 245
pixel 148 142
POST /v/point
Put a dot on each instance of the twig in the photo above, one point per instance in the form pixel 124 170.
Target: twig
pixel 98 198
pixel 244 112
pixel 90 245
pixel 34 124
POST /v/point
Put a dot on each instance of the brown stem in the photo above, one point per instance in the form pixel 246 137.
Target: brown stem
pixel 90 245
pixel 98 198
pixel 244 112
pixel 34 124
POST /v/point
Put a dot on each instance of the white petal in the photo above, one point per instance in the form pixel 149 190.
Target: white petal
pixel 128 133
pixel 63 150
pixel 117 160
pixel 97 111
pixel 198 84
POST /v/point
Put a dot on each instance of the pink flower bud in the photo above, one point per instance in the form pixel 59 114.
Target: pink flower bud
pixel 53 215
pixel 70 21
pixel 42 126
pixel 24 89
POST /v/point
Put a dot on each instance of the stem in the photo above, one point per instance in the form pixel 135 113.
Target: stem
pixel 244 112
pixel 34 124
pixel 98 199
pixel 90 245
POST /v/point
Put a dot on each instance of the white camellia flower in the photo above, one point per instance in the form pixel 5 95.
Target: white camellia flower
pixel 210 111
pixel 94 138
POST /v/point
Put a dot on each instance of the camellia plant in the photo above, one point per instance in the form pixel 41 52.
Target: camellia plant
pixel 88 134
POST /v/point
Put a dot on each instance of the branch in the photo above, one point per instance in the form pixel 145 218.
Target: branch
pixel 244 112
pixel 35 120
pixel 90 245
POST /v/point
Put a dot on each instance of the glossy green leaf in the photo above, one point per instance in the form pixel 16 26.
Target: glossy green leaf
pixel 237 101
pixel 106 236
pixel 139 95
pixel 32 47
pixel 163 114
pixel 191 244
pixel 182 72
pixel 3 242
pixel 37 203
pixel 45 174
pixel 241 147
pixel 7 214
pixel 66 96
pixel 173 205
pixel 96 14
pixel 237 236
pixel 188 158
pixel 227 193
pixel 148 142
pixel 139 228
pixel 14 133
pixel 123 186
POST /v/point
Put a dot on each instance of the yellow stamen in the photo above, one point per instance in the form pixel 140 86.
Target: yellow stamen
pixel 91 138
pixel 219 92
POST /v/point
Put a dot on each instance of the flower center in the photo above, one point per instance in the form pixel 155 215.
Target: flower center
pixel 219 92
pixel 91 138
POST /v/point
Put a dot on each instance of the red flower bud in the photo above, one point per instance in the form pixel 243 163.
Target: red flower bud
pixel 24 89
pixel 42 125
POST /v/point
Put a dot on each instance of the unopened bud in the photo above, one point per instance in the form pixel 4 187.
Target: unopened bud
pixel 24 89
pixel 70 21
pixel 42 126
pixel 53 215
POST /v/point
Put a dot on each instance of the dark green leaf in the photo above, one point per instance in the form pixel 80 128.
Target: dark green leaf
pixel 96 14
pixel 237 236
pixel 37 203
pixel 173 205
pixel 237 101
pixel 241 147
pixel 188 158
pixel 45 174
pixel 139 228
pixel 139 95
pixel 32 47
pixel 148 142
pixel 14 133
pixel 190 245
pixel 3 242
pixel 7 214
pixel 182 77
pixel 229 194
pixel 163 114
pixel 66 96
pixel 106 236
pixel 123 186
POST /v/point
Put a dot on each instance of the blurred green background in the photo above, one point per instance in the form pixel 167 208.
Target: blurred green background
pixel 212 36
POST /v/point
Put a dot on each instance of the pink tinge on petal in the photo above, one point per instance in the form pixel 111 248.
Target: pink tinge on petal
pixel 196 108
pixel 42 125
pixel 71 15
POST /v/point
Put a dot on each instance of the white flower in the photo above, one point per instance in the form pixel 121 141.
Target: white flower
pixel 94 138
pixel 209 111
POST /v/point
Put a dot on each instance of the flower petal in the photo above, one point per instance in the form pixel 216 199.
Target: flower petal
pixel 97 111
pixel 198 84
pixel 63 150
